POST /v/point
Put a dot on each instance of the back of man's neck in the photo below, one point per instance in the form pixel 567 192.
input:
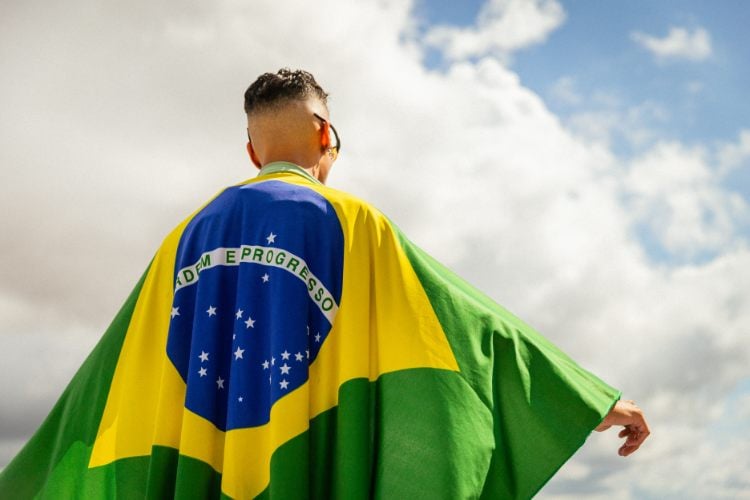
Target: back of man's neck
pixel 299 162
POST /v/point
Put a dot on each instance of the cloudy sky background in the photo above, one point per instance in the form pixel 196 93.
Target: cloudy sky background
pixel 587 164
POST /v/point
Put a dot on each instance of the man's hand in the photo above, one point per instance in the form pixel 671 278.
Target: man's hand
pixel 627 414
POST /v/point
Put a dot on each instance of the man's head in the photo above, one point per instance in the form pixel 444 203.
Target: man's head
pixel 287 116
pixel 272 90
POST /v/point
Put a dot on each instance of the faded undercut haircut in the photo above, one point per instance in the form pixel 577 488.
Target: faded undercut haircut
pixel 273 89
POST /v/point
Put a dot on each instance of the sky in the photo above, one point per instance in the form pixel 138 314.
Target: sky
pixel 586 164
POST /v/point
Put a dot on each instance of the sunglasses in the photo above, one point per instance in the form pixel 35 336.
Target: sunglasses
pixel 337 147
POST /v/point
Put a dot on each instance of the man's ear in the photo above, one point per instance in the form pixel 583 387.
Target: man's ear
pixel 253 156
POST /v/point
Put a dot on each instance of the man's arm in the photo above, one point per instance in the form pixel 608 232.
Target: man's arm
pixel 627 414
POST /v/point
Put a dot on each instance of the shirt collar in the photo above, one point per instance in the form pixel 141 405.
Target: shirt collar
pixel 285 166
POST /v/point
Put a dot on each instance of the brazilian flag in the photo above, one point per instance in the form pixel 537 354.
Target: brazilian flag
pixel 287 341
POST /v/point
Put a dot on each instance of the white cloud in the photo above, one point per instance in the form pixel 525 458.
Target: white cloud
pixel 144 124
pixel 680 43
pixel 607 120
pixel 732 155
pixel 564 91
pixel 195 34
pixel 503 26
pixel 678 195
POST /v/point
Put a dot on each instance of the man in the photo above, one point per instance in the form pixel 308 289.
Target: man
pixel 287 341
pixel 280 108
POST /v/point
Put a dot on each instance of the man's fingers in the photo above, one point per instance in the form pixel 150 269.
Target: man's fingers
pixel 635 437
pixel 632 443
pixel 624 450
pixel 635 431
pixel 627 449
pixel 631 431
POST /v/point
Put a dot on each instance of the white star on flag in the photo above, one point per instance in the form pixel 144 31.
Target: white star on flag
pixel 317 337
pixel 265 278
pixel 175 312
pixel 239 399
pixel 273 361
pixel 298 356
pixel 285 369
pixel 307 353
pixel 265 364
pixel 238 353
pixel 285 354
pixel 238 315
pixel 211 311
pixel 204 356
pixel 283 384
pixel 271 238
pixel 250 323
pixel 203 372
pixel 220 383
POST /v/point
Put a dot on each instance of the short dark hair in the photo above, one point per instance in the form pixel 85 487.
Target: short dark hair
pixel 272 89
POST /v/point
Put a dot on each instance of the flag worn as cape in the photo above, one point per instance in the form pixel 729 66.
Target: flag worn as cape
pixel 287 341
